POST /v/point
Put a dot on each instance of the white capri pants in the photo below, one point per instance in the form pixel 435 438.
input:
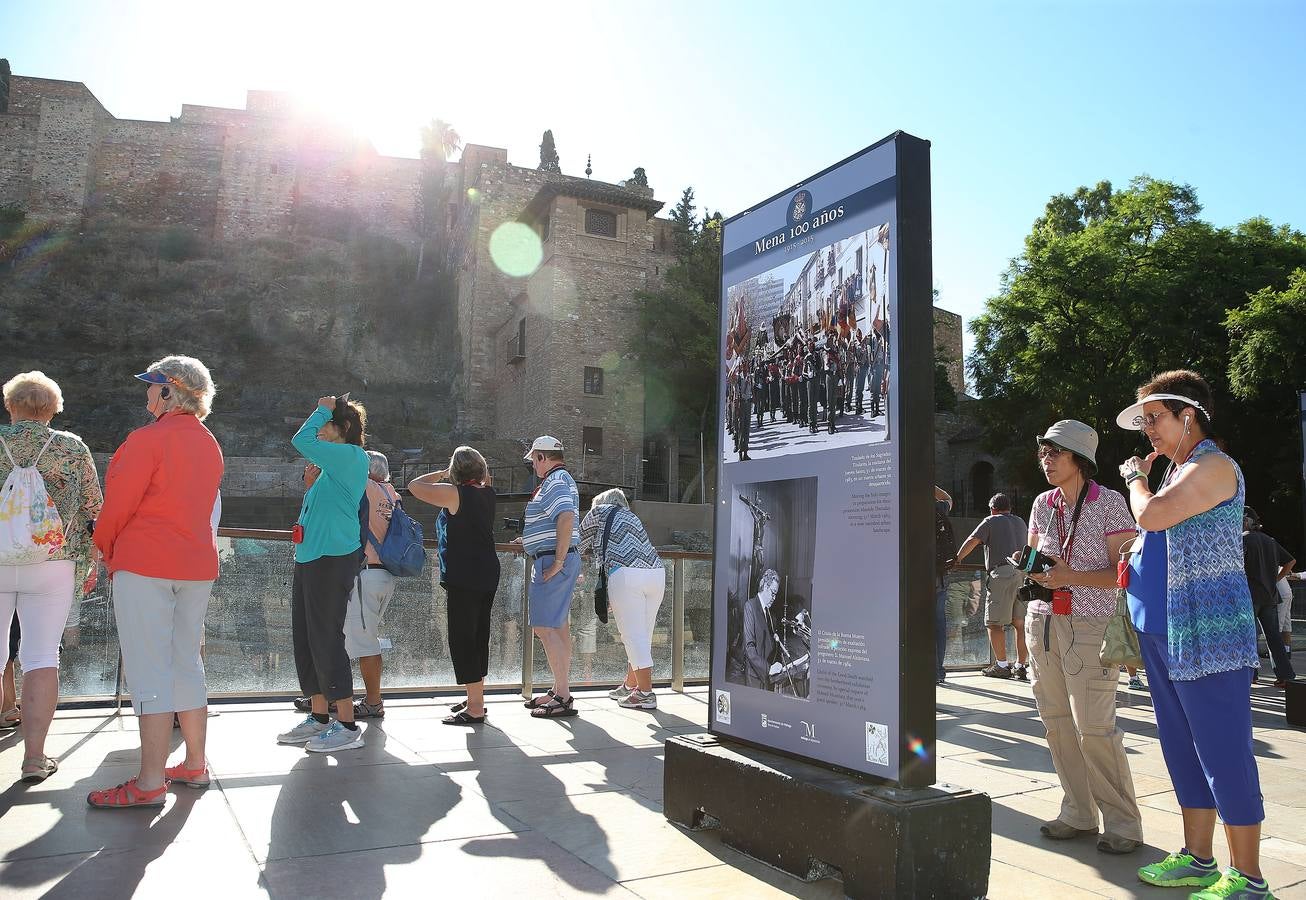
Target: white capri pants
pixel 363 621
pixel 1285 605
pixel 160 629
pixel 635 595
pixel 42 593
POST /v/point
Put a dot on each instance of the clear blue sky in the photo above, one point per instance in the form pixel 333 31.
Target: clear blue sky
pixel 741 99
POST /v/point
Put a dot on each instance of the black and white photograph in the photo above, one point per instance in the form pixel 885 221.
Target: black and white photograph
pixel 772 555
pixel 807 352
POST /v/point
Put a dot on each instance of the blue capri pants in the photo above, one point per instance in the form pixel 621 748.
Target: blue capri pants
pixel 1206 736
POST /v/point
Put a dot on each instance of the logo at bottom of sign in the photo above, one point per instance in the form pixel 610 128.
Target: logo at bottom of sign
pixel 877 743
pixel 723 707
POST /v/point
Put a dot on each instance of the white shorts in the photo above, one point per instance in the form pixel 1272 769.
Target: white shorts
pixel 1285 605
pixel 42 593
pixel 635 596
pixel 363 620
pixel 160 629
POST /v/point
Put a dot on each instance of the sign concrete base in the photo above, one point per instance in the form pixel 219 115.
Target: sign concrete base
pixel 1295 703
pixel 812 822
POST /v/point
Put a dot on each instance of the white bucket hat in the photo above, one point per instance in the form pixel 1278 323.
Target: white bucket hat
pixel 1131 417
pixel 1075 436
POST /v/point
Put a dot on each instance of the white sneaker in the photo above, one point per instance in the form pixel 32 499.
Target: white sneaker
pixel 304 731
pixel 620 692
pixel 336 737
pixel 640 700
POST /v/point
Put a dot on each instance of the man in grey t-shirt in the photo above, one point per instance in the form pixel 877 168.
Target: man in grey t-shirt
pixel 1002 535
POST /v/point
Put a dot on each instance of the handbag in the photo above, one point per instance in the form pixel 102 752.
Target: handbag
pixel 601 591
pixel 1120 640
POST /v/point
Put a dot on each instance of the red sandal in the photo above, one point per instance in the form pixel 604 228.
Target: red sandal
pixel 127 794
pixel 195 778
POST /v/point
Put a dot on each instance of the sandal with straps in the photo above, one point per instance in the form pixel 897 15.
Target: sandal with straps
pixel 536 702
pixel 38 768
pixel 127 795
pixel 195 778
pixel 557 708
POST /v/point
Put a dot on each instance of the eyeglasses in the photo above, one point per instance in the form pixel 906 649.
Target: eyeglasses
pixel 1049 452
pixel 1148 420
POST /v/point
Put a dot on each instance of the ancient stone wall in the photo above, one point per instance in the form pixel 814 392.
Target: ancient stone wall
pixel 159 173
pixel 947 346
pixel 17 153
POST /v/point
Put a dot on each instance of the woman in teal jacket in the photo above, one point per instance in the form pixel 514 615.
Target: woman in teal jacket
pixel 328 552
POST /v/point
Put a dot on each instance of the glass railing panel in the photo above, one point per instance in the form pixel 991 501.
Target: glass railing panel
pixel 968 642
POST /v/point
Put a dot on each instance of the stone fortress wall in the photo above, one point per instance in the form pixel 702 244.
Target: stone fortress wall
pixel 221 172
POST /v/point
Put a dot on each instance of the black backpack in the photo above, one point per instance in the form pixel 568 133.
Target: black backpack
pixel 945 542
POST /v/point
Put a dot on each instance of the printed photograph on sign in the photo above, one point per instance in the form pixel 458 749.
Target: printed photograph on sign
pixel 807 351
pixel 772 556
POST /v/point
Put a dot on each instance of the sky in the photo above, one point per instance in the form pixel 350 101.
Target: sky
pixel 1020 100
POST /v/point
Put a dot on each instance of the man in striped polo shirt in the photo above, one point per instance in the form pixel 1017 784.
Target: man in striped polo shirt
pixel 550 536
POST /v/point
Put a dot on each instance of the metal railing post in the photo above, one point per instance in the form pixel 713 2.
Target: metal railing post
pixel 678 625
pixel 117 687
pixel 527 635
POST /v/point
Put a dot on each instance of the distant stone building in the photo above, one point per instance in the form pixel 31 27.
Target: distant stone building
pixel 765 294
pixel 549 352
pixel 264 169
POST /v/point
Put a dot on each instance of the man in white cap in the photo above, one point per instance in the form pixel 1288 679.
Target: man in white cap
pixel 1082 526
pixel 550 537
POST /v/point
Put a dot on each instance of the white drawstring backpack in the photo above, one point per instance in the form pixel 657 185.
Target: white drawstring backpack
pixel 31 529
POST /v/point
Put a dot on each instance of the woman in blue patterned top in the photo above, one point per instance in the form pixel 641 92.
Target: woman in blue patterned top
pixel 1191 605
pixel 636 583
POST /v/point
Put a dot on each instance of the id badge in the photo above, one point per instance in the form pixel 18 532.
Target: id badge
pixel 1061 602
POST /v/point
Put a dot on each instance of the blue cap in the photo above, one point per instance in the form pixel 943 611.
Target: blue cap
pixel 153 377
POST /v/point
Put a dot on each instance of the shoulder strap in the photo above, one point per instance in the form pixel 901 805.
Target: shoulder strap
pixel 603 545
pixel 41 452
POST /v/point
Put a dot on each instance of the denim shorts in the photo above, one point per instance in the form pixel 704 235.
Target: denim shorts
pixel 551 600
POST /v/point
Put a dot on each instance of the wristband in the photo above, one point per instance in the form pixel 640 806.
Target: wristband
pixel 1135 476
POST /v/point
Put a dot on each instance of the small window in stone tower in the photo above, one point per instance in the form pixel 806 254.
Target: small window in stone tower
pixel 601 222
pixel 593 380
pixel 544 228
pixel 591 440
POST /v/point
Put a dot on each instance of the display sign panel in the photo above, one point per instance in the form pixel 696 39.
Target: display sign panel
pixel 817 341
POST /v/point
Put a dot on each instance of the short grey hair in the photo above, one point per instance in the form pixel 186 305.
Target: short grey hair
pixel 467 464
pixel 378 467
pixel 192 384
pixel 610 497
pixel 33 394
pixel 771 576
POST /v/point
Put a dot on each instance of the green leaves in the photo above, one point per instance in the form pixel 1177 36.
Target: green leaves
pixel 1114 286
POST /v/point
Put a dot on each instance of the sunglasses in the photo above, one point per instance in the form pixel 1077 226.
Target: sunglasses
pixel 1047 451
pixel 1148 420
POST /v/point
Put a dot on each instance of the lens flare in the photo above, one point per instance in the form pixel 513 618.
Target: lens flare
pixel 516 249
pixel 917 746
pixel 473 195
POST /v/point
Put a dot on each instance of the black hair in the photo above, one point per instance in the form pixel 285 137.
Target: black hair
pixel 1188 384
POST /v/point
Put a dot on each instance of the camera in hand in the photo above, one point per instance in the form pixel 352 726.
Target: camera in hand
pixel 1031 560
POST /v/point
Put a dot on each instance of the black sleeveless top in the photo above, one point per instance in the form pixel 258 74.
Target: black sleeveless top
pixel 466 541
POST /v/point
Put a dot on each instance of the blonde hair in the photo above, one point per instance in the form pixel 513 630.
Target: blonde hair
pixel 192 384
pixel 612 496
pixel 467 464
pixel 34 394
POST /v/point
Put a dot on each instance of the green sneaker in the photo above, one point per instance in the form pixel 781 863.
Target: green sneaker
pixel 1179 870
pixel 1233 885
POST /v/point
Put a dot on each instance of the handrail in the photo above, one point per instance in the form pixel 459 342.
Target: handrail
pixel 272 534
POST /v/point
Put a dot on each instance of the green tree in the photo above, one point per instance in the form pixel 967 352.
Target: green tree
pixel 1114 286
pixel 678 335
pixel 549 161
pixel 1267 340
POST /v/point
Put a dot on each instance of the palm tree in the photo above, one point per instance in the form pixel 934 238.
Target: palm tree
pixel 440 140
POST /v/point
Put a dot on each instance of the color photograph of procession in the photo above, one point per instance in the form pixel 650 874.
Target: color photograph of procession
pixel 807 352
